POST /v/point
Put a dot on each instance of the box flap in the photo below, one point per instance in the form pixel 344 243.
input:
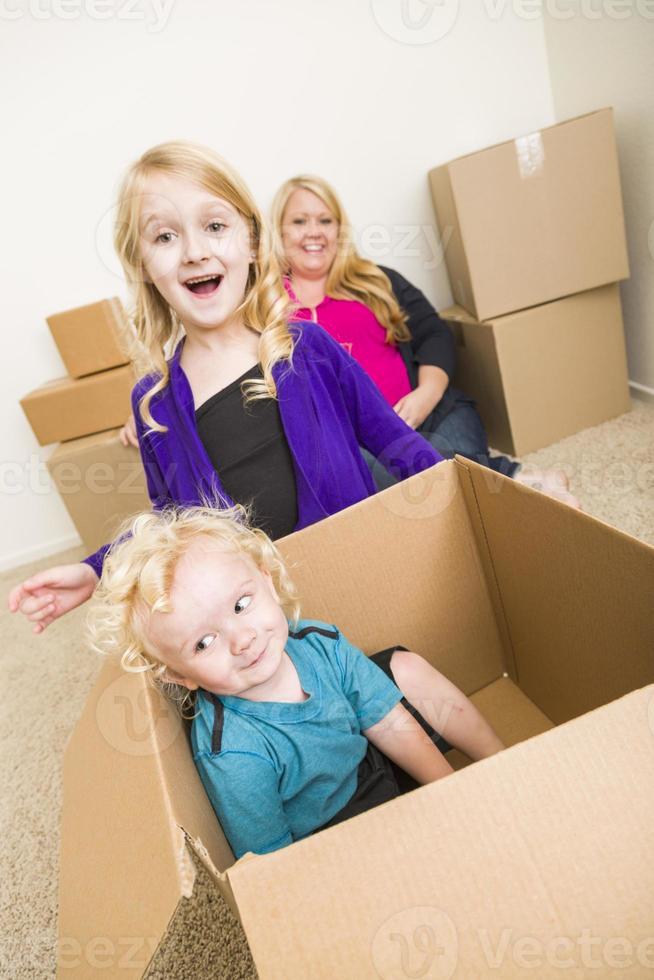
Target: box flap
pixel 535 859
pixel 425 587
pixel 483 551
pixel 576 595
pixel 545 129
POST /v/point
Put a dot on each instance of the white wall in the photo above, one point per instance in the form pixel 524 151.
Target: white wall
pixel 337 87
pixel 602 53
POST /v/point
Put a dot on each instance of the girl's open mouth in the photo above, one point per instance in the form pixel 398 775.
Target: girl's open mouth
pixel 204 285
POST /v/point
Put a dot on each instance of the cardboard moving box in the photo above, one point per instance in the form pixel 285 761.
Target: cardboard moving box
pixel 533 219
pixel 544 373
pixel 91 338
pixel 67 408
pixel 101 482
pixel 538 857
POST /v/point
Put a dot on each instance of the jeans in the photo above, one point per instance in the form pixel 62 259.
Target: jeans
pixel 453 427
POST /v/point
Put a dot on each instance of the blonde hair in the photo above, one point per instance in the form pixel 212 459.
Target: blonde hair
pixel 351 276
pixel 138 573
pixel 266 306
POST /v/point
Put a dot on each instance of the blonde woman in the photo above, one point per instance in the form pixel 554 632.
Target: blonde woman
pixel 250 408
pixel 385 323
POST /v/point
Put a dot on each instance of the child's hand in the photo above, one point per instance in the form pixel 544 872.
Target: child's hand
pixel 50 594
pixel 128 435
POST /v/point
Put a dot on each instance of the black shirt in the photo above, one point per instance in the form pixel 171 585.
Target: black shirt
pixel 248 448
pixel 431 341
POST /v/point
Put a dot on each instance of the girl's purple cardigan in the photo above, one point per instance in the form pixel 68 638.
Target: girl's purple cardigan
pixel 329 406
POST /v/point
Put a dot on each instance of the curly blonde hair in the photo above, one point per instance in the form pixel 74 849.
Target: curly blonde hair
pixel 266 306
pixel 351 276
pixel 138 576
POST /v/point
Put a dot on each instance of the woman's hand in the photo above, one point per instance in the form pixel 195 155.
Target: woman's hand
pixel 128 435
pixel 50 594
pixel 416 406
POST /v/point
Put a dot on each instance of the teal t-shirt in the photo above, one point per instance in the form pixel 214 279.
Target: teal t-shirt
pixel 276 771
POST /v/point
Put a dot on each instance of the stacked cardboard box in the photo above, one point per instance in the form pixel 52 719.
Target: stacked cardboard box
pixel 530 863
pixel 533 234
pixel 96 394
pixel 101 482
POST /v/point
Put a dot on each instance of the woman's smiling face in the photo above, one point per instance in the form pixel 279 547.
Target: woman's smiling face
pixel 309 235
pixel 196 250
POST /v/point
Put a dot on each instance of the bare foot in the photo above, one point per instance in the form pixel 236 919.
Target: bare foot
pixel 565 497
pixel 554 483
pixel 543 479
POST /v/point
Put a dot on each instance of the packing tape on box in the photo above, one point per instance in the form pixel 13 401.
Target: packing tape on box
pixel 531 154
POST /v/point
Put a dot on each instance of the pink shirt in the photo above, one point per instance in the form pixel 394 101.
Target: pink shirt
pixel 358 330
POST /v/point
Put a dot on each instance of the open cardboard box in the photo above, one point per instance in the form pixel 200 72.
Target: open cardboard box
pixel 535 860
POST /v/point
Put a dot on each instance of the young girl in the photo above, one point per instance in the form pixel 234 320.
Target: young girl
pixel 293 729
pixel 250 408
pixel 387 325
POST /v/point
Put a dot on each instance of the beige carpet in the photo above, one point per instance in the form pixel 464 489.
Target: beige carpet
pixel 46 680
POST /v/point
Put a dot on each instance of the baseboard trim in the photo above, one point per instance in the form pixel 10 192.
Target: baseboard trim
pixel 27 555
pixel 641 391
